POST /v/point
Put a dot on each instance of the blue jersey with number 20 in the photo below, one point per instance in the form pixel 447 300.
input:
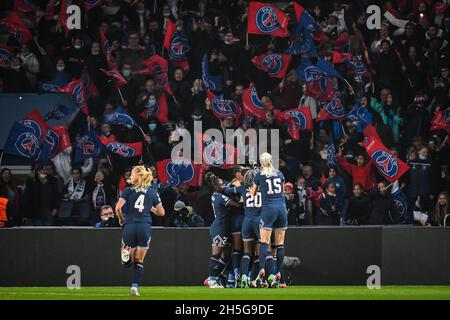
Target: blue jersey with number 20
pixel 139 204
pixel 271 188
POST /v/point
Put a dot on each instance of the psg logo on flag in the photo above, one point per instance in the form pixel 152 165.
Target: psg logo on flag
pixel 27 145
pixel 121 149
pixel 255 99
pixel 224 108
pixel 315 74
pixel 299 118
pixel 78 94
pixel 180 172
pixel 357 64
pixel 335 108
pixel 386 162
pixel 52 141
pixel 87 146
pixel 267 20
pixel 272 63
pixel 178 48
pixel 33 125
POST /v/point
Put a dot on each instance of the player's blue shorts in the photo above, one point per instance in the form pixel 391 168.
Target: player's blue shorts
pixel 220 233
pixel 250 228
pixel 274 217
pixel 137 234
pixel 237 219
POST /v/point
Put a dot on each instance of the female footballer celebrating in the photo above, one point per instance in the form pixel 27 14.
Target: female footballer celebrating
pixel 220 228
pixel 140 201
pixel 273 216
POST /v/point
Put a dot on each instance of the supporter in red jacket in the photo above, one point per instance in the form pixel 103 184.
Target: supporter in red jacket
pixel 361 172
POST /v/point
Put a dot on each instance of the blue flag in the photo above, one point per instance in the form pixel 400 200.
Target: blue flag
pixel 88 146
pixel 53 85
pixel 212 83
pixel 401 203
pixel 119 117
pixel 360 115
pixel 23 142
pixel 327 68
pixel 57 112
pixel 303 43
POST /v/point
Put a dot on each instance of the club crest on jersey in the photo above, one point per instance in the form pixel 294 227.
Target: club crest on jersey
pixel 272 63
pixel 386 162
pixel 299 118
pixel 27 145
pixel 180 172
pixel 267 20
pixel 121 149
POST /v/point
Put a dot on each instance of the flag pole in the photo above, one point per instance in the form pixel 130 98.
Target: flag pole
pixel 440 148
pixel 1 158
pixel 120 94
pixel 349 86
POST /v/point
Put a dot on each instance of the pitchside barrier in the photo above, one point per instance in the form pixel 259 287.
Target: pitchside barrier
pixel 329 256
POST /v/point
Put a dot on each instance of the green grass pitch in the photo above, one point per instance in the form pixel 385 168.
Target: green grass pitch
pixel 203 293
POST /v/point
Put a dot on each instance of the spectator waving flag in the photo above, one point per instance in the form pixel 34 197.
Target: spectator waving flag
pixel 57 112
pixel 179 49
pixel 23 142
pixel 213 83
pixel 25 6
pixel 126 150
pixel 317 78
pixel 5 56
pixel 119 80
pixel 55 141
pixel 441 121
pixel 77 90
pixel 333 110
pixel 253 106
pixel 158 110
pixel 178 172
pixel 274 64
pixel 16 28
pixel 119 117
pixel 303 43
pixel 387 164
pixel 266 19
pixel 223 108
pixel 158 67
pixel 87 146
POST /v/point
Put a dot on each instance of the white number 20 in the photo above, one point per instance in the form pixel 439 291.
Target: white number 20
pixel 139 204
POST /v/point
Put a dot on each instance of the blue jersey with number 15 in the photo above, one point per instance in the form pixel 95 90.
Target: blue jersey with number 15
pixel 271 188
pixel 139 204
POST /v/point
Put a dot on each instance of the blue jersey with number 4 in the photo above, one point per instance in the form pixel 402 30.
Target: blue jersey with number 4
pixel 139 204
pixel 271 188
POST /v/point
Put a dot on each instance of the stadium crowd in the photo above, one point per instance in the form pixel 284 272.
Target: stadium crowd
pixel 405 87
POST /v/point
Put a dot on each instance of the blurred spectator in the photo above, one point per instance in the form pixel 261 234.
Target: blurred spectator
pixel 442 210
pixel 107 218
pixel 359 206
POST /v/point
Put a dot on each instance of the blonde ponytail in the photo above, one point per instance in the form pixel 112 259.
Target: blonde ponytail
pixel 267 168
pixel 142 177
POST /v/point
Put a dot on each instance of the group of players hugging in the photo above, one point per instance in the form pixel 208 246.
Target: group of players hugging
pixel 250 210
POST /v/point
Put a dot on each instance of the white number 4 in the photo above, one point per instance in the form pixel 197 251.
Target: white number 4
pixel 139 204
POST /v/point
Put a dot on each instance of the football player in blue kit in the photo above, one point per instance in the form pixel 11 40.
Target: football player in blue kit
pixel 140 201
pixel 220 228
pixel 274 218
pixel 251 224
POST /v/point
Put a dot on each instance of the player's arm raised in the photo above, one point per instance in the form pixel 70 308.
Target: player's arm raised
pixel 119 207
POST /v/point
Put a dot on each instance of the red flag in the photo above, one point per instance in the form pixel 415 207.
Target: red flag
pixel 180 172
pixel 77 89
pixel 274 64
pixel 58 137
pixel 158 67
pixel 387 164
pixel 266 19
pixel 441 121
pixel 17 28
pixel 370 131
pixel 119 80
pixel 36 122
pixel 25 6
pixel 160 110
pixel 126 150
pixel 253 106
pixel 298 10
pixel 171 28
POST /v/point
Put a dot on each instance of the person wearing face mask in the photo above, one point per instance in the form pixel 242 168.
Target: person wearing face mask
pixel 30 63
pixel 129 91
pixel 15 79
pixel 41 199
pixel 421 182
pixel 75 57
